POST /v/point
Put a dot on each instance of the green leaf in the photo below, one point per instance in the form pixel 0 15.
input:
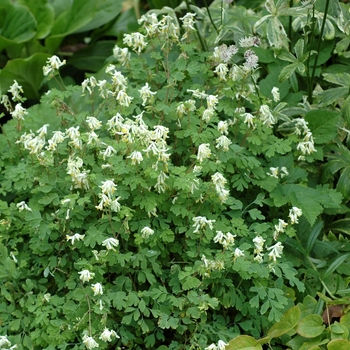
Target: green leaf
pixel 18 25
pixel 287 323
pixel 44 14
pixel 335 264
pixel 342 225
pixel 243 342
pixel 310 326
pixel 288 71
pixel 323 124
pixel 92 58
pixel 27 72
pixel 338 344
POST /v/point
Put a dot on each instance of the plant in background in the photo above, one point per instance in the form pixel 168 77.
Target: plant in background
pixel 152 206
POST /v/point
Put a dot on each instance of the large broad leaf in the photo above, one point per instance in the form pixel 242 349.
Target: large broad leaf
pixel 82 15
pixel 310 326
pixel 338 344
pixel 286 324
pixel 105 12
pixel 44 14
pixel 17 24
pixel 27 72
pixel 323 124
pixel 243 342
pixel 93 57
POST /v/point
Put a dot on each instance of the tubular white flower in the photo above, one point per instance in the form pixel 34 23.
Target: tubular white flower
pixel 23 206
pixel 146 94
pixel 93 123
pixel 110 243
pixel 275 94
pixel 276 251
pixel 19 112
pixel 89 342
pixel 223 142
pixel 97 289
pixel 136 157
pixel 147 232
pixel 212 101
pixel 259 244
pixel 238 253
pixel 53 64
pixel 221 70
pixel 16 90
pixel 294 214
pixel 86 275
pixel 204 152
pixel 108 187
pixel 107 334
pixel 75 237
pixel 200 222
pixel 136 41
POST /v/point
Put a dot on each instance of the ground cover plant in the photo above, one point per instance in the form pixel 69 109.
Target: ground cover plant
pixel 181 197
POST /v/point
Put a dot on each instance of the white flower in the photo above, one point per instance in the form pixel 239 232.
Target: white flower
pixel 122 55
pixel 223 142
pixel 204 152
pixel 107 334
pixel 221 345
pixel 212 101
pixel 273 172
pixel 294 214
pixel 146 94
pixel 136 157
pixel 110 243
pixel 259 244
pixel 146 232
pixel 224 53
pixel 221 70
pixel 251 60
pixel 89 342
pixel 267 117
pixel 93 123
pixel 201 222
pixel 76 236
pixel 238 253
pixel 136 41
pixel 279 228
pixel 223 127
pixel 207 114
pixel 115 205
pixel 108 187
pixel 211 347
pixel 124 99
pixel 53 63
pixel 86 275
pixel 249 120
pixel 276 251
pixel 4 341
pixel 97 289
pixel 188 22
pixel 108 152
pixel 23 206
pixel 249 41
pixel 275 94
pixel 19 112
pixel 15 90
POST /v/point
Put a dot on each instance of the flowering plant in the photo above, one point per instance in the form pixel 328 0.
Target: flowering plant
pixel 151 206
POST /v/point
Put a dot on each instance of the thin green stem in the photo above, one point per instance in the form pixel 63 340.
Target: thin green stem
pixel 290 27
pixel 211 19
pixel 319 42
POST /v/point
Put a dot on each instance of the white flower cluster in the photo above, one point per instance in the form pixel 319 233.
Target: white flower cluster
pixel 79 177
pixel 227 240
pixel 108 189
pixel 307 145
pixel 259 246
pixel 106 336
pixel 201 222
pixel 219 181
pixel 18 112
